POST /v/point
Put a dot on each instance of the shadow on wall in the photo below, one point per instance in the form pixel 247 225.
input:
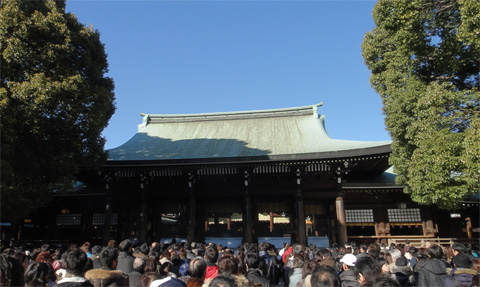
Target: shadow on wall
pixel 145 147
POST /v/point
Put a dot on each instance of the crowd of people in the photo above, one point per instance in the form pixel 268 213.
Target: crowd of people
pixel 250 265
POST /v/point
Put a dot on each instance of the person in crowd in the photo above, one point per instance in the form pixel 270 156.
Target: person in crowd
pixel 421 260
pixel 308 267
pixel 407 246
pixel 336 251
pixel 395 254
pixel 287 259
pixel 434 272
pixel 220 250
pixel 165 268
pixel 403 272
pixel 410 255
pixel 5 271
pixel 384 280
pixel 125 257
pixel 374 250
pixel 21 258
pixel 176 263
pixel 183 265
pixel 241 258
pixel 197 269
pixel 75 262
pixel 96 256
pixel 16 269
pixel 325 276
pixel 362 251
pixel 228 265
pixel 154 246
pixel 297 267
pixel 268 255
pixel 57 259
pixel 107 275
pixel 147 279
pixel 347 276
pixel 112 243
pixel 223 280
pixel 383 266
pixel 211 255
pixel 326 258
pixel 86 248
pixel 138 270
pixel 253 273
pixel 151 264
pixel 45 257
pixel 448 254
pixel 144 250
pixel 167 279
pixel 297 250
pixel 458 248
pixel 38 273
pixel 462 271
pixel 366 270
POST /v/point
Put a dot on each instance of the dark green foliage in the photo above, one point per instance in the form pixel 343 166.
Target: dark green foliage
pixel 424 57
pixel 55 101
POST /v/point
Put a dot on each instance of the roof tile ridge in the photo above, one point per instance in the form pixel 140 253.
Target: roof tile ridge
pixel 294 111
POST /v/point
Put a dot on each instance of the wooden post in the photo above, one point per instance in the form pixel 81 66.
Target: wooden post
pixel 107 222
pixel 191 216
pixel 271 222
pixel 301 232
pixel 248 216
pixel 341 224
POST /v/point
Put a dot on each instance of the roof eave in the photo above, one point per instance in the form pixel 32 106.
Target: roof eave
pixel 330 155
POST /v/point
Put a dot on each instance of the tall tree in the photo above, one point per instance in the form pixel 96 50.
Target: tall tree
pixel 424 58
pixel 55 100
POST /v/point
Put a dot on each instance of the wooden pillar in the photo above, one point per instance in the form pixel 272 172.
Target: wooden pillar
pixel 143 208
pixel 271 222
pixel 143 219
pixel 341 224
pixel 301 230
pixel 191 209
pixel 107 179
pixel 157 221
pixel 248 216
pixel 107 221
pixel 191 216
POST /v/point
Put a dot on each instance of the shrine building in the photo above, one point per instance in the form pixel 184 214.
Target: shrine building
pixel 253 176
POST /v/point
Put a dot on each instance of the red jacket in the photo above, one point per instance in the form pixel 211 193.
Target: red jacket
pixel 286 254
pixel 212 272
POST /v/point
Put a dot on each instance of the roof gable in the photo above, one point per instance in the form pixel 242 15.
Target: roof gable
pixel 267 133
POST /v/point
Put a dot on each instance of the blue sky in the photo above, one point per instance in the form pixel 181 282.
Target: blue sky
pixel 181 57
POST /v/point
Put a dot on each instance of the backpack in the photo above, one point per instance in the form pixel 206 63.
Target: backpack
pixel 449 281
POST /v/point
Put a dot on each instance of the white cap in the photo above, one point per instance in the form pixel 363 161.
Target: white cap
pixel 349 259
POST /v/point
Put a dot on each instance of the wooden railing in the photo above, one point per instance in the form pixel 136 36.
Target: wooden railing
pixel 417 241
pixel 421 242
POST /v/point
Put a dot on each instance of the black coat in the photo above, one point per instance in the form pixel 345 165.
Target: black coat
pixel 134 277
pixel 404 275
pixel 125 262
pixel 434 273
pixel 74 284
pixel 349 279
pixel 255 277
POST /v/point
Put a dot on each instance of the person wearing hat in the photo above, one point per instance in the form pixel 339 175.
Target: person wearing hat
pixel 403 273
pixel 347 276
pixel 462 271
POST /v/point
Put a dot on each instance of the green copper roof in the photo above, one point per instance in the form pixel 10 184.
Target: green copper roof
pixel 279 133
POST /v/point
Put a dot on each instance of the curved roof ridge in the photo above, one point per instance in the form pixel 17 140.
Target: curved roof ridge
pixel 311 109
